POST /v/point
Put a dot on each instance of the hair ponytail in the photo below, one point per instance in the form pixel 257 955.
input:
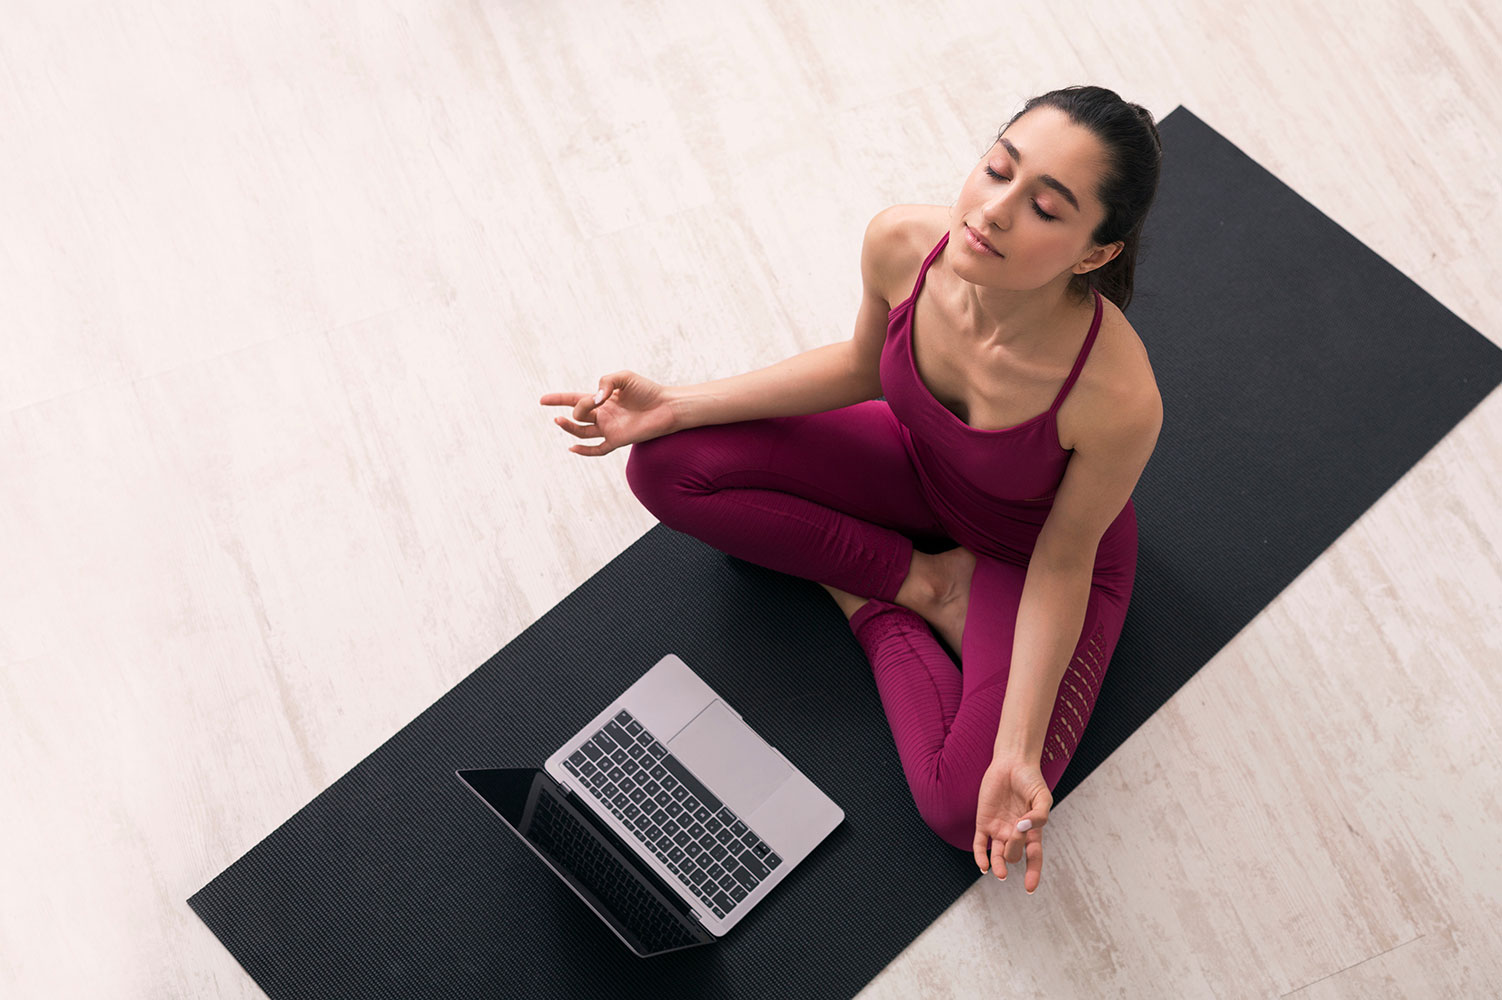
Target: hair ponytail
pixel 1135 155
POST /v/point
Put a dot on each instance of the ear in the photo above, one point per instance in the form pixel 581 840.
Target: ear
pixel 1100 257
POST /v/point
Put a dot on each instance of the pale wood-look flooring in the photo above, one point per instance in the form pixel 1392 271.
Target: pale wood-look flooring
pixel 283 283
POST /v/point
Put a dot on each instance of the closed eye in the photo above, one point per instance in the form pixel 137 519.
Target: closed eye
pixel 1041 214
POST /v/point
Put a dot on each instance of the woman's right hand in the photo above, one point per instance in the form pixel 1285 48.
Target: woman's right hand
pixel 631 408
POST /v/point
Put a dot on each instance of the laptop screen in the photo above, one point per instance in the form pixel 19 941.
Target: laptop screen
pixel 641 910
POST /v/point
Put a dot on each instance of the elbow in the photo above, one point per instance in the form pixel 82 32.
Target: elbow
pixel 1077 560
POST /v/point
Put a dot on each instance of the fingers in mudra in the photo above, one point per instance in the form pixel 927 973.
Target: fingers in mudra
pixel 998 859
pixel 579 430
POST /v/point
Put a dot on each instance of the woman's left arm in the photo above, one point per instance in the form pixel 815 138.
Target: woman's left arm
pixel 1014 802
pixel 1097 484
pixel 1049 621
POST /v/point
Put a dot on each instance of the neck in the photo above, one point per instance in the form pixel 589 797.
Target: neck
pixel 1015 320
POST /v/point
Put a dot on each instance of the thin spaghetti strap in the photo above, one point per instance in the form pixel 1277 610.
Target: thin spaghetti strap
pixel 935 251
pixel 1079 362
pixel 923 271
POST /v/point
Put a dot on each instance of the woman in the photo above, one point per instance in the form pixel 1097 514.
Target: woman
pixel 1019 413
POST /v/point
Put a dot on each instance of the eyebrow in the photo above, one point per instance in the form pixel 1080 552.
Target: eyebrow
pixel 1052 182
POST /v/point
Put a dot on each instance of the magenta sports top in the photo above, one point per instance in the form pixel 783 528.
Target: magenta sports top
pixel 992 489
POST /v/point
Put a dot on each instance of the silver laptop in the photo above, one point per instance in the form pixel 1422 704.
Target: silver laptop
pixel 667 814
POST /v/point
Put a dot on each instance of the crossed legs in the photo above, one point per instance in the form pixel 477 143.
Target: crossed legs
pixel 832 497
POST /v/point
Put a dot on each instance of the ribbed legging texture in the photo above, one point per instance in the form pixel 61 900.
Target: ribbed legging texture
pixel 833 497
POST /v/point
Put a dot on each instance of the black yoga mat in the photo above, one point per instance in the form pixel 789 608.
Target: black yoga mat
pixel 1301 376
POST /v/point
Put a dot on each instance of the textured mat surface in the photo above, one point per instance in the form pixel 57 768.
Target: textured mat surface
pixel 1301 375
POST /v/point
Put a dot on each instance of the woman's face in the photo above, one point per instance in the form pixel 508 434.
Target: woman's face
pixel 1009 192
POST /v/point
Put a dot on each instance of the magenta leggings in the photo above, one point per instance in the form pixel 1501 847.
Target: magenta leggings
pixel 833 497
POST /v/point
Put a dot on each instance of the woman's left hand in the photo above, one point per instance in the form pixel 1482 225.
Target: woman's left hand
pixel 1012 791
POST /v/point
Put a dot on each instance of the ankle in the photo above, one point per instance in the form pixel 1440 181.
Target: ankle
pixel 922 588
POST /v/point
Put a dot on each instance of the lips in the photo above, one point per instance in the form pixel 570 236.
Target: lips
pixel 976 236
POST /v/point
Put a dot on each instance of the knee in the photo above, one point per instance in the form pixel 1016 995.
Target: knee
pixel 654 469
pixel 955 826
pixel 950 813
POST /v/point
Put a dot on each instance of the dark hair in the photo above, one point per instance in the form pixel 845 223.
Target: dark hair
pixel 1134 157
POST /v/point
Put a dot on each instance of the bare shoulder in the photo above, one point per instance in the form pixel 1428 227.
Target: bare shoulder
pixel 1116 388
pixel 904 235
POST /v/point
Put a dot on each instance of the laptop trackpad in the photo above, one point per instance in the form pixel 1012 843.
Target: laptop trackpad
pixel 730 759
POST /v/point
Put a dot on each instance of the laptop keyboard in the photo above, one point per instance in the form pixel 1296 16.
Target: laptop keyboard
pixel 698 837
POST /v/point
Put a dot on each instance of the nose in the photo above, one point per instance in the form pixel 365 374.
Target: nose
pixel 998 211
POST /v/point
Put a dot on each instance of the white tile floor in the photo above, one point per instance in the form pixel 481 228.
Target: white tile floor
pixel 284 282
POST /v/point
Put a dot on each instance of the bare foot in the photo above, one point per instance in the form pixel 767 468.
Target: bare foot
pixel 946 615
pixel 849 603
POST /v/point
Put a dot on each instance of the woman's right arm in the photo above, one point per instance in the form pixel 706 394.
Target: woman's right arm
pixel 629 407
pixel 825 378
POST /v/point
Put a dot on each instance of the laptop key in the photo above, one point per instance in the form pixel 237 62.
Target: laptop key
pixel 773 861
pixel 758 870
pixel 615 731
pixel 741 876
pixel 684 775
